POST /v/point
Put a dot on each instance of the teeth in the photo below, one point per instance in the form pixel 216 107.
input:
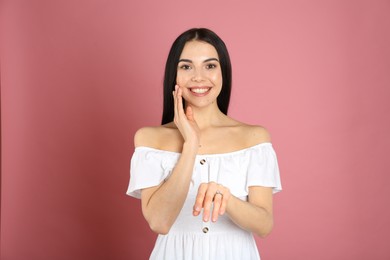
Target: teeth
pixel 200 90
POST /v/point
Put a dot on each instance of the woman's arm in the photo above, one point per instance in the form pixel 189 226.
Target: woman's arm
pixel 256 214
pixel 162 204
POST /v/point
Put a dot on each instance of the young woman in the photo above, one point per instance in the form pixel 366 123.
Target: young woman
pixel 205 179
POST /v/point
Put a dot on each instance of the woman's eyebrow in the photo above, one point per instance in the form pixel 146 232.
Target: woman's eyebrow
pixel 211 59
pixel 185 60
pixel 207 60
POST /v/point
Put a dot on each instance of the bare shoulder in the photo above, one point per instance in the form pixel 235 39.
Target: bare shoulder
pixel 253 134
pixel 155 136
pixel 257 134
pixel 142 136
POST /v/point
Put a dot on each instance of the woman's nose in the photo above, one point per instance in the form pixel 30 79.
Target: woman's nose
pixel 197 76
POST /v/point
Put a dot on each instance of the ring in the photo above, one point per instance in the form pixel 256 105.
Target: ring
pixel 218 192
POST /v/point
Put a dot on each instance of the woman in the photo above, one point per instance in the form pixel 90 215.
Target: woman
pixel 205 180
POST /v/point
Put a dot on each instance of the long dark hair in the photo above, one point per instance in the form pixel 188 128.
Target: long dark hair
pixel 199 34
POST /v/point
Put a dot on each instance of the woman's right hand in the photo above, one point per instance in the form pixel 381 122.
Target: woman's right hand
pixel 184 120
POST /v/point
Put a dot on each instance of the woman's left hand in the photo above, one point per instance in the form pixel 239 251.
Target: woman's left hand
pixel 207 194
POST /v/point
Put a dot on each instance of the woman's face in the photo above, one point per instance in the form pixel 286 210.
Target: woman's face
pixel 199 73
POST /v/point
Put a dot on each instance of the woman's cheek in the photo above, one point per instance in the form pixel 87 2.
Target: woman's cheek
pixel 180 81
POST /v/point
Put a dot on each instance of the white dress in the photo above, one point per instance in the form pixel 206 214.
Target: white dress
pixel 253 166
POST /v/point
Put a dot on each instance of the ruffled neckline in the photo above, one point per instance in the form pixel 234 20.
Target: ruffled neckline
pixel 256 146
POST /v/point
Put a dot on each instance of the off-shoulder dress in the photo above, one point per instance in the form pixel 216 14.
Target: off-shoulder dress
pixel 188 239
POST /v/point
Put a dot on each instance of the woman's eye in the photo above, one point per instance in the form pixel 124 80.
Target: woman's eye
pixel 185 67
pixel 211 66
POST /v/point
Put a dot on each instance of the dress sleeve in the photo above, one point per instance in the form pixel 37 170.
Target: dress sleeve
pixel 148 168
pixel 263 169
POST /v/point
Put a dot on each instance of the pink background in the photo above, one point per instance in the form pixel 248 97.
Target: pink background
pixel 79 77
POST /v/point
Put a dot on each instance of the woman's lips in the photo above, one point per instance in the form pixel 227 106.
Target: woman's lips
pixel 200 91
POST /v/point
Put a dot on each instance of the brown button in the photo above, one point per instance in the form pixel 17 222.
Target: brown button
pixel 205 230
pixel 203 161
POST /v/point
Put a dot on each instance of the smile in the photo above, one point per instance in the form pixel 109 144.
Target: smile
pixel 200 90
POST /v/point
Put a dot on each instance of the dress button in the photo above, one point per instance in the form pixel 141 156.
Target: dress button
pixel 205 229
pixel 203 161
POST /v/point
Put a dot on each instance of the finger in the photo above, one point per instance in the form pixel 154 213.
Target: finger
pixel 218 198
pixel 190 113
pixel 225 197
pixel 208 200
pixel 180 101
pixel 175 101
pixel 199 199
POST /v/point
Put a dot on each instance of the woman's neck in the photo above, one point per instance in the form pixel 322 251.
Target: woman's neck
pixel 209 116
